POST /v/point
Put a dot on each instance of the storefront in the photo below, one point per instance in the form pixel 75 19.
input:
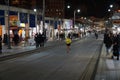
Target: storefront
pixel 23 25
pixel 13 19
pixel 2 22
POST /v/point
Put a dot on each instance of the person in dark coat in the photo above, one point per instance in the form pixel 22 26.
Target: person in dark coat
pixel 36 38
pixel 43 39
pixel 96 35
pixel 115 51
pixel 16 39
pixel 5 39
pixel 118 40
pixel 40 39
pixel 108 41
pixel 115 47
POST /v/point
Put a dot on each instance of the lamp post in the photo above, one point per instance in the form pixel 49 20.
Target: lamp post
pixel 76 10
pixel 111 10
pixel 35 10
pixel 9 44
pixel 43 15
pixel 75 16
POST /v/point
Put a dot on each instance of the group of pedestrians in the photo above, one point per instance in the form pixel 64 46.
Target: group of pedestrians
pixel 112 43
pixel 39 40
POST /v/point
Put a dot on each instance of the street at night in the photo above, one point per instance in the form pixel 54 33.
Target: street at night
pixel 59 39
pixel 54 63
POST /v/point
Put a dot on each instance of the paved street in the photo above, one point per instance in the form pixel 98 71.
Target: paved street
pixel 53 63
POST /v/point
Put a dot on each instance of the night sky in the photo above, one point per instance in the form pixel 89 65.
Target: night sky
pixel 96 8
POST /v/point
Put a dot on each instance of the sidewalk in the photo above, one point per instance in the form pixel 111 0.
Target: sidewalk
pixel 108 69
pixel 17 50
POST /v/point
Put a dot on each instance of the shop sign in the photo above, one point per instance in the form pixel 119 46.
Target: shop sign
pixel 13 20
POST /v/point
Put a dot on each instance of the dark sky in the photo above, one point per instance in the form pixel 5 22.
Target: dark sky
pixel 96 8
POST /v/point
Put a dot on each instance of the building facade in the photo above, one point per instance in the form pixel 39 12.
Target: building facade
pixel 25 22
pixel 53 8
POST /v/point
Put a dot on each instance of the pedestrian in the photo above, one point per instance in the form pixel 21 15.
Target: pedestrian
pixel 36 39
pixel 16 39
pixel 118 40
pixel 43 39
pixel 5 39
pixel 0 44
pixel 115 51
pixel 96 35
pixel 68 43
pixel 108 41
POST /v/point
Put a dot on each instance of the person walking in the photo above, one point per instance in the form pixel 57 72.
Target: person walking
pixel 108 41
pixel 115 46
pixel 96 35
pixel 115 51
pixel 68 43
pixel 16 39
pixel 36 39
pixel 118 41
pixel 5 39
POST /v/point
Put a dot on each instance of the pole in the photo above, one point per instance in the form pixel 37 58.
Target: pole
pixel 36 21
pixel 9 44
pixel 74 19
pixel 35 10
pixel 44 17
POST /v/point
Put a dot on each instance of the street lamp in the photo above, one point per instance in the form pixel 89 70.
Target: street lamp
pixel 78 10
pixel 68 6
pixel 35 10
pixel 109 10
pixel 43 15
pixel 111 6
